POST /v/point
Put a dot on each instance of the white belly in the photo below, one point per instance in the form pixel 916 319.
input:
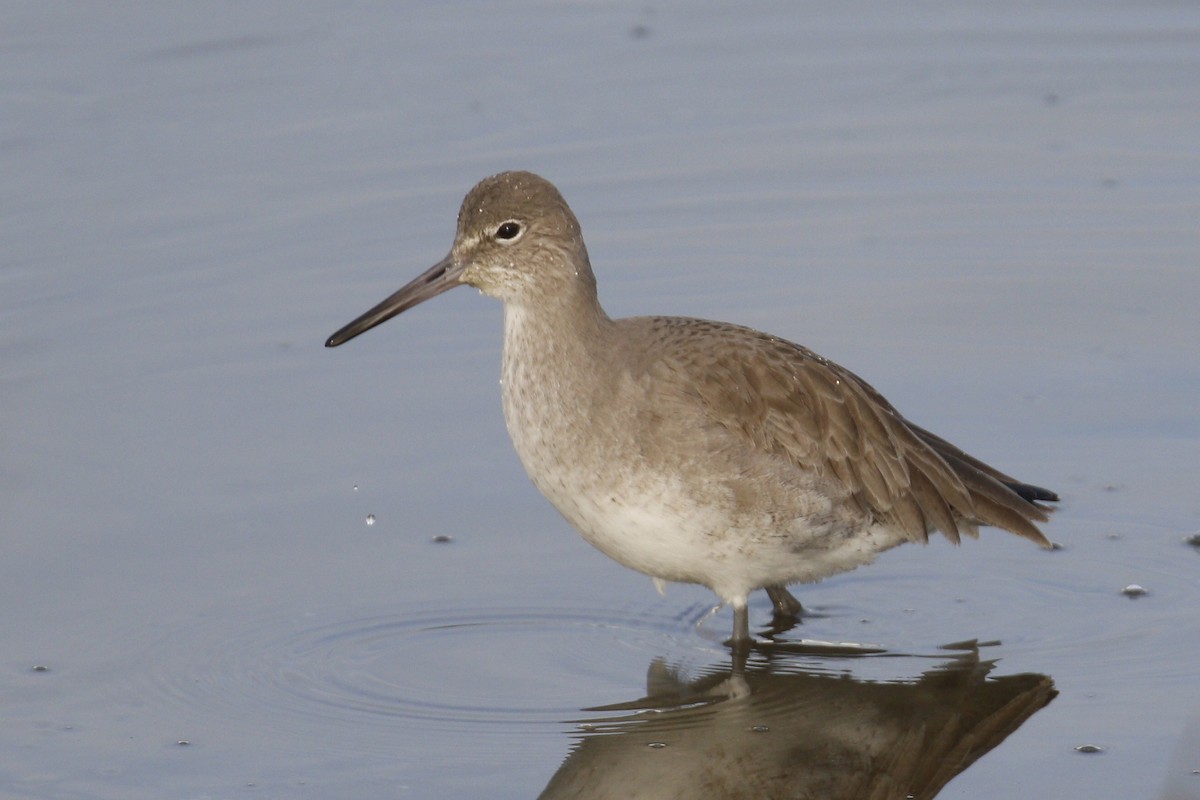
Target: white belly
pixel 633 493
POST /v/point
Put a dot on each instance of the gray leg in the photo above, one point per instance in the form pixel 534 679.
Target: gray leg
pixel 785 604
pixel 741 624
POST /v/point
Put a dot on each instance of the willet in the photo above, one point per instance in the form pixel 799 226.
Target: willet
pixel 697 451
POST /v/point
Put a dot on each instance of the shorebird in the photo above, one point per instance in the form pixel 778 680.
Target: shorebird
pixel 697 451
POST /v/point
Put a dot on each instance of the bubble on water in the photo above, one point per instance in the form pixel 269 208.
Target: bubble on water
pixel 1089 748
pixel 442 538
pixel 40 668
pixel 370 519
pixel 356 487
pixel 1135 590
pixel 760 728
pixel 657 745
pixel 1193 540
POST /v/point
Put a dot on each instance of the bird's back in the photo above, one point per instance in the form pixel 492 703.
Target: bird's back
pixel 778 398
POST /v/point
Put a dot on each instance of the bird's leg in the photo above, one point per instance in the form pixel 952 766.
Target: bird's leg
pixel 741 625
pixel 786 605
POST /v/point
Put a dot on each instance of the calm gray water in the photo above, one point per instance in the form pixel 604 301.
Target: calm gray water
pixel 987 209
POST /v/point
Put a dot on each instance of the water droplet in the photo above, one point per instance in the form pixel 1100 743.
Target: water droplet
pixel 1089 748
pixel 1134 590
pixel 370 519
pixel 356 487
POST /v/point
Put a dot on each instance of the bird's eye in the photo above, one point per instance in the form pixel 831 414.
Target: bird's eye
pixel 508 230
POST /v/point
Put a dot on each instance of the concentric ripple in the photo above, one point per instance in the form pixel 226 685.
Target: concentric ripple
pixel 456 668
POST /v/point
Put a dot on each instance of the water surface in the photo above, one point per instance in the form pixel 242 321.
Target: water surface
pixel 987 210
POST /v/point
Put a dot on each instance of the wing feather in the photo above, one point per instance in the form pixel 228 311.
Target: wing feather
pixel 786 400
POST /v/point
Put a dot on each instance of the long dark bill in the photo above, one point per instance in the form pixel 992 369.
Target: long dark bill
pixel 439 278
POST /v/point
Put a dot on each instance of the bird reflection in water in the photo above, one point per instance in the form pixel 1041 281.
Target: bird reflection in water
pixel 776 729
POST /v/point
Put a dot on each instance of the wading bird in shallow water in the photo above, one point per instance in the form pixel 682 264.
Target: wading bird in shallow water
pixel 691 450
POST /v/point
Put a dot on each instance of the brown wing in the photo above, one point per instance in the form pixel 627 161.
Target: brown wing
pixel 785 399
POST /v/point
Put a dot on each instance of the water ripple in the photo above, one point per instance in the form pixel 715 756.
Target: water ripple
pixel 512 669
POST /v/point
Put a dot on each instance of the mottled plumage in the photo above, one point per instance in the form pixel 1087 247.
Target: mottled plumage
pixel 692 450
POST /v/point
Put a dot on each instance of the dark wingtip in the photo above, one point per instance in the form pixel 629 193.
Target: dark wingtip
pixel 1033 493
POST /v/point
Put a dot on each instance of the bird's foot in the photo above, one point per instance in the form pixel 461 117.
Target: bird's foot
pixel 786 605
